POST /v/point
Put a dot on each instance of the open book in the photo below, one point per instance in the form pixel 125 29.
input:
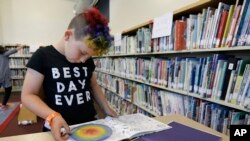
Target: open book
pixel 127 126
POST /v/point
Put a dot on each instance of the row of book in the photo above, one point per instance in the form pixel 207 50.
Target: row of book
pixel 18 62
pixel 25 51
pixel 166 103
pixel 128 91
pixel 122 106
pixel 140 43
pixel 220 76
pixel 224 26
pixel 17 73
pixel 120 86
pixel 17 84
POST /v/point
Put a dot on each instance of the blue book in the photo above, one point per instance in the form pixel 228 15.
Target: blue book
pixel 179 132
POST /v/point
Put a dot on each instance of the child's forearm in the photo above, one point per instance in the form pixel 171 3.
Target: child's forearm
pixel 36 105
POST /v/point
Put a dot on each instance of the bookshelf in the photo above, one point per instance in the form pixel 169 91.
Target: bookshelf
pixel 174 91
pixel 210 83
pixel 198 51
pixel 17 64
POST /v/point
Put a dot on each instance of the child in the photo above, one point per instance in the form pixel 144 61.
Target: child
pixel 65 72
pixel 5 75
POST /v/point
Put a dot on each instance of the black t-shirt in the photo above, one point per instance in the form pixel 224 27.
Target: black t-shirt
pixel 66 85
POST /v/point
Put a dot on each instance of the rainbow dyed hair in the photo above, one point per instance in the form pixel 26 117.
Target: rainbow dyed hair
pixel 92 27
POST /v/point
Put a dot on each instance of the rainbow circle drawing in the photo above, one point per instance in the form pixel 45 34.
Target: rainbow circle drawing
pixel 91 132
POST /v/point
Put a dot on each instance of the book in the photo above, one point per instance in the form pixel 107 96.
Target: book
pixel 221 28
pixel 233 26
pixel 228 24
pixel 246 103
pixel 232 64
pixel 240 22
pixel 241 34
pixel 124 127
pixel 214 71
pixel 180 39
pixel 244 85
pixel 238 82
pixel 180 132
pixel 219 20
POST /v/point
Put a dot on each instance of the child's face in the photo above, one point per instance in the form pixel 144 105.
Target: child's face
pixel 76 51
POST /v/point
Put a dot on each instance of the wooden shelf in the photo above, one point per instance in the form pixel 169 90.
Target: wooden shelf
pixel 182 92
pixel 211 50
pixel 141 107
pixel 18 67
pixel 20 56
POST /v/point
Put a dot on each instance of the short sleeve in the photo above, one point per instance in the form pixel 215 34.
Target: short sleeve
pixel 92 64
pixel 36 61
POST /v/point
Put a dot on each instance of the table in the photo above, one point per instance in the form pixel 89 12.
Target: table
pixel 46 136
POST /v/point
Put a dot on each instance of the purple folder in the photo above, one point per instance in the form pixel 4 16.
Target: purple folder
pixel 179 132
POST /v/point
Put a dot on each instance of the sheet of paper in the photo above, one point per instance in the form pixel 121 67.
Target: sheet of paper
pixel 162 25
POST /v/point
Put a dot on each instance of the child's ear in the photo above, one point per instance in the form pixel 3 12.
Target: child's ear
pixel 67 34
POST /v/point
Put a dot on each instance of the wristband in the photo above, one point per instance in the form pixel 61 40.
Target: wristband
pixel 51 117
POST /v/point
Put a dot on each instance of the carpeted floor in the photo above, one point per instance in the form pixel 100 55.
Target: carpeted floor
pixel 7 114
pixel 13 128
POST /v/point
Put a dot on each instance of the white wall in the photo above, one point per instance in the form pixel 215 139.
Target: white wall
pixel 42 22
pixel 34 22
pixel 125 14
pixel 1 38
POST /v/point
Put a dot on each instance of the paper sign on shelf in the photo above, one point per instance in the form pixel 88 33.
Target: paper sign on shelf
pixel 162 25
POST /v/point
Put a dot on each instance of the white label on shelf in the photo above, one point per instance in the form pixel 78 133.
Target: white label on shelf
pixel 195 88
pixel 155 80
pixel 209 91
pixel 159 82
pixel 162 25
pixel 174 85
pixel 217 42
pixel 230 66
pixel 202 91
pixel 180 85
pixel 190 88
pixel 164 82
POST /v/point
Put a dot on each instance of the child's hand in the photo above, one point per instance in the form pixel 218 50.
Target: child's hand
pixel 111 112
pixel 57 125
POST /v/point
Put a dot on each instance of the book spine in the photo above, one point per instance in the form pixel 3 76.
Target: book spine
pixel 180 39
pixel 221 28
pixel 228 24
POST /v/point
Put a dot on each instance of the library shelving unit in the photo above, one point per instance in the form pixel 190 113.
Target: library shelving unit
pixel 202 71
pixel 17 64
